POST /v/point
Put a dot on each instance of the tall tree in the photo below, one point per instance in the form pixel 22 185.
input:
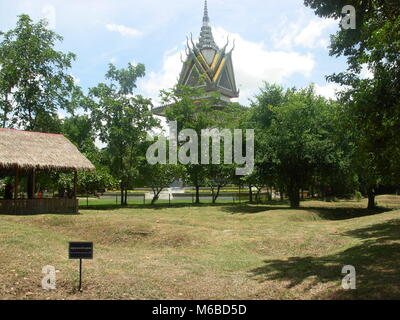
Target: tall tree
pixel 296 140
pixel 374 102
pixel 122 120
pixel 191 112
pixel 35 81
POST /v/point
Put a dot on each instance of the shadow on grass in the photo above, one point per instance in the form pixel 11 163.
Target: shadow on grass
pixel 335 213
pixel 251 208
pixel 156 206
pixel 376 261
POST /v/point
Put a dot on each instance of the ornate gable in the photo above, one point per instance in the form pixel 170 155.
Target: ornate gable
pixel 207 65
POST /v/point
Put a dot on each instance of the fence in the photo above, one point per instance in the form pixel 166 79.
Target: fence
pixel 174 198
pixel 38 206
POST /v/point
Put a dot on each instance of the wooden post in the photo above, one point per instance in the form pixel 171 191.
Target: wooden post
pixel 80 274
pixel 16 183
pixel 75 182
pixel 33 182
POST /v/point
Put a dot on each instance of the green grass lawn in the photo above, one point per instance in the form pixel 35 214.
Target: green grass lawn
pixel 207 252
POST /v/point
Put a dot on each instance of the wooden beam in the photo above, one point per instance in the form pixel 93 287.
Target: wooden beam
pixel 16 183
pixel 33 183
pixel 75 182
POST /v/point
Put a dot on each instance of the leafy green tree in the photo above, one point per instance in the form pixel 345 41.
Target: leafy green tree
pixel 34 78
pixel 373 103
pixel 159 176
pixel 295 140
pixel 88 182
pixel 122 120
pixel 79 129
pixel 260 116
pixel 191 113
pixel 218 176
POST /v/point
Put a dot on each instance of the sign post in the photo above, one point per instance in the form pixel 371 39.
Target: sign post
pixel 80 250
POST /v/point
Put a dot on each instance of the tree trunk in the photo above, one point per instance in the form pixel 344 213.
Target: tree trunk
pixel 156 196
pixel 294 196
pixel 371 198
pixel 126 197
pixel 122 194
pixel 250 194
pixel 215 194
pixel 197 194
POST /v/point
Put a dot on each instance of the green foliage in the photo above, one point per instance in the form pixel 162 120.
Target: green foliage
pixel 88 182
pixel 358 196
pixel 159 176
pixel 121 120
pixel 80 131
pixel 373 104
pixel 194 113
pixel 296 141
pixel 34 78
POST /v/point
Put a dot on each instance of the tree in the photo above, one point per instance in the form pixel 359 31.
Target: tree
pixel 122 121
pixel 159 176
pixel 218 176
pixel 373 103
pixel 191 113
pixel 88 182
pixel 80 130
pixel 34 79
pixel 260 116
pixel 296 140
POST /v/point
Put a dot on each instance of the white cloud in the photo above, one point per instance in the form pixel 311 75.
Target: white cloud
pixel 166 78
pixel 123 30
pixel 76 79
pixel 304 33
pixel 366 73
pixel 329 90
pixel 253 63
pixel 49 13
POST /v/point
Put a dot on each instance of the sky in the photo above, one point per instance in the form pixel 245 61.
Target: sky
pixel 276 41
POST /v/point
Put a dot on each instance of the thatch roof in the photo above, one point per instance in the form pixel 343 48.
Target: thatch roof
pixel 28 150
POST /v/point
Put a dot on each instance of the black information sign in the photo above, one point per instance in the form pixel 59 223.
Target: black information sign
pixel 80 250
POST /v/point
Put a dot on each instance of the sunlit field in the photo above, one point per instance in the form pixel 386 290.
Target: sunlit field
pixel 227 251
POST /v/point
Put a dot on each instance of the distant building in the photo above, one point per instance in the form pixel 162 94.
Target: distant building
pixel 207 66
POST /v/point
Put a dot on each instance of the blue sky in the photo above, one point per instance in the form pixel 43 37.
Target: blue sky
pixel 277 41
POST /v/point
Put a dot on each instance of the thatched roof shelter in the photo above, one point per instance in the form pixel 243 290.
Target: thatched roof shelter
pixel 26 150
